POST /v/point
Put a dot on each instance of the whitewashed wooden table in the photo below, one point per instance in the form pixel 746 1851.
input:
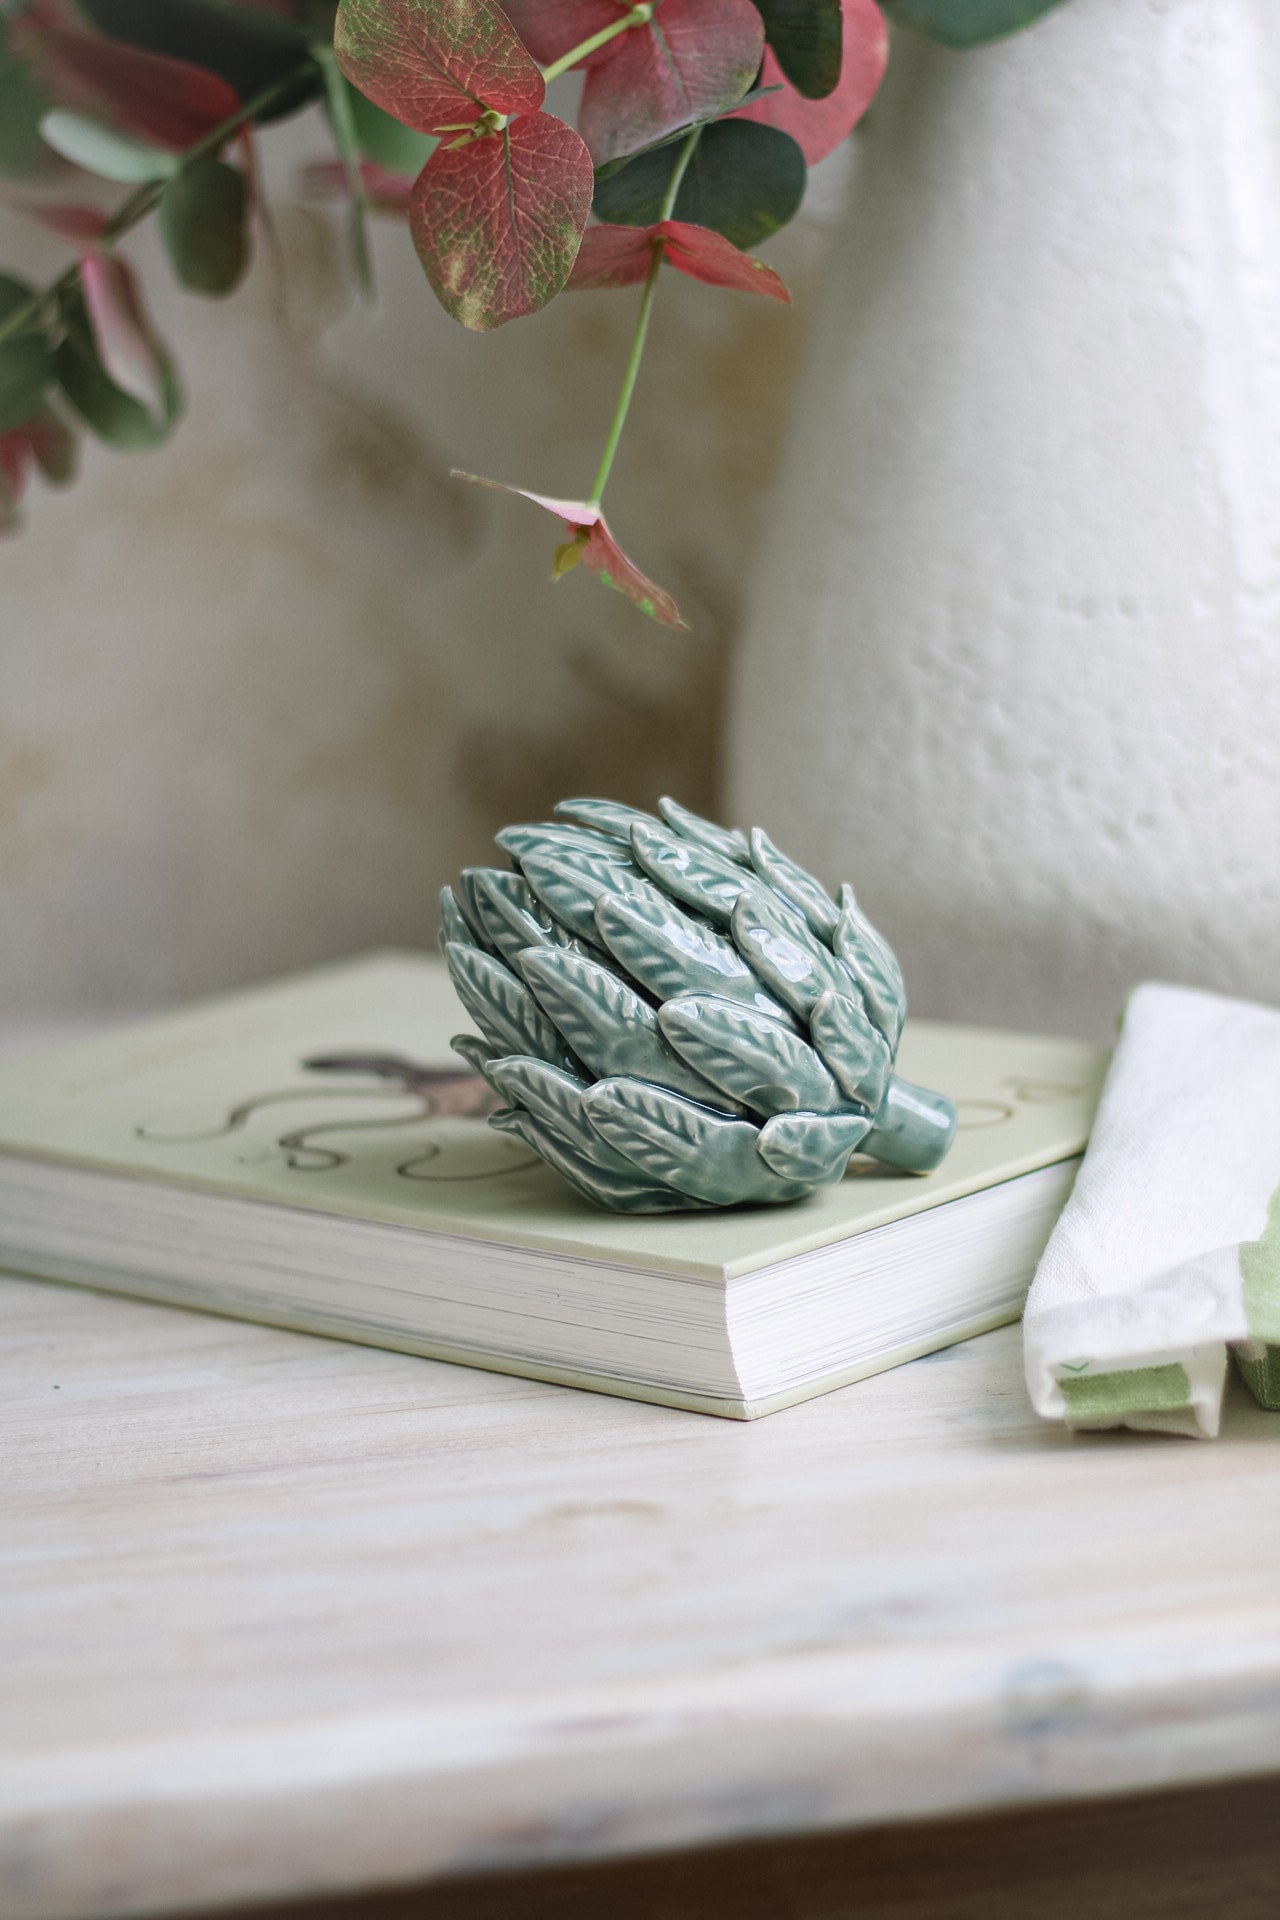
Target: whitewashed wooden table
pixel 281 1615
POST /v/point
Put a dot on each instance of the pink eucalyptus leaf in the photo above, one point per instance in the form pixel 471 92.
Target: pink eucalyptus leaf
pixel 552 28
pixel 78 226
pixel 436 63
pixel 818 126
pixel 498 221
pixel 696 57
pixel 620 256
pixel 590 543
pixel 127 345
pixel 148 96
pixel 707 256
pixel 44 441
pixel 612 257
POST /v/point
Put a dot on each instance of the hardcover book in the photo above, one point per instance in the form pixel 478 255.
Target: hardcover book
pixel 311 1154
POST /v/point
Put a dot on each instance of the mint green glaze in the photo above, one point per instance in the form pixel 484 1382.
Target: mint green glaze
pixel 680 1017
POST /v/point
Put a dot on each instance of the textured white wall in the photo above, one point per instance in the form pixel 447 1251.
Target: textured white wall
pixel 262 692
pixel 1013 660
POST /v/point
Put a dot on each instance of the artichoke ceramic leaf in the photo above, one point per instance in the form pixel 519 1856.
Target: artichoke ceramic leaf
pixel 681 1017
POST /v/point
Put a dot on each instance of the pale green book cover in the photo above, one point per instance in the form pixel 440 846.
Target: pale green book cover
pixel 221 1097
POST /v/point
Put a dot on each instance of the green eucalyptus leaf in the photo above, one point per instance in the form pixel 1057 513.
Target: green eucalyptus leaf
pixel 203 216
pixel 26 361
pixel 102 151
pixel 387 141
pixel 966 23
pixel 115 416
pixel 807 37
pixel 23 104
pixel 249 47
pixel 744 181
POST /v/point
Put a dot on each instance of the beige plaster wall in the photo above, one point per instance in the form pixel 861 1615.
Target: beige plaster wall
pixel 262 692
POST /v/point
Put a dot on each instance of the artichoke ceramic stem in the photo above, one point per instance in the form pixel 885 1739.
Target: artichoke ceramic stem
pixel 679 1017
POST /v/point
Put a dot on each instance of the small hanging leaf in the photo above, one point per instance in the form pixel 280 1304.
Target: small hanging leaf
pixel 203 215
pixel 113 414
pixel 696 57
pixel 590 543
pixel 436 66
pixel 743 181
pixel 966 23
pixel 126 343
pixel 620 256
pixel 26 361
pixel 819 126
pixel 807 42
pixel 103 152
pixel 498 221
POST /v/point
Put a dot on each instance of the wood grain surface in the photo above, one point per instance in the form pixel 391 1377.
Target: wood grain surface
pixel 284 1617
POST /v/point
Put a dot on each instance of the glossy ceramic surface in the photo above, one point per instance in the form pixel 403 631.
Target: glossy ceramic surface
pixel 681 1017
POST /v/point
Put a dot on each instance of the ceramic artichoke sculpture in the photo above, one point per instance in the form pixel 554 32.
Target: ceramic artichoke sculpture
pixel 677 1017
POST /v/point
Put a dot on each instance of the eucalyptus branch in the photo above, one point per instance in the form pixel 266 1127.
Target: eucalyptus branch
pixel 631 375
pixel 146 198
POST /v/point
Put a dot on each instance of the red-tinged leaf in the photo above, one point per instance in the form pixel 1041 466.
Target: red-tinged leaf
pixel 385 192
pixel 612 257
pixel 695 58
pixel 78 226
pixel 818 126
pixel 552 28
pixel 436 63
pixel 621 256
pixel 707 256
pixel 498 221
pixel 590 543
pixel 148 96
pixel 44 441
pixel 127 345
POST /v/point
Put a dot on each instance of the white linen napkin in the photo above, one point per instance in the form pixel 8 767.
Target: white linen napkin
pixel 1168 1251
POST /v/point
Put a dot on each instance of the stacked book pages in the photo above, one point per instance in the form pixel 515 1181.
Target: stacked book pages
pixel 312 1154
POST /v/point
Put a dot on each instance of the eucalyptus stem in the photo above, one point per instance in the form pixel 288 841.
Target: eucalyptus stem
pixel 632 373
pixel 346 139
pixel 146 198
pixel 638 16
